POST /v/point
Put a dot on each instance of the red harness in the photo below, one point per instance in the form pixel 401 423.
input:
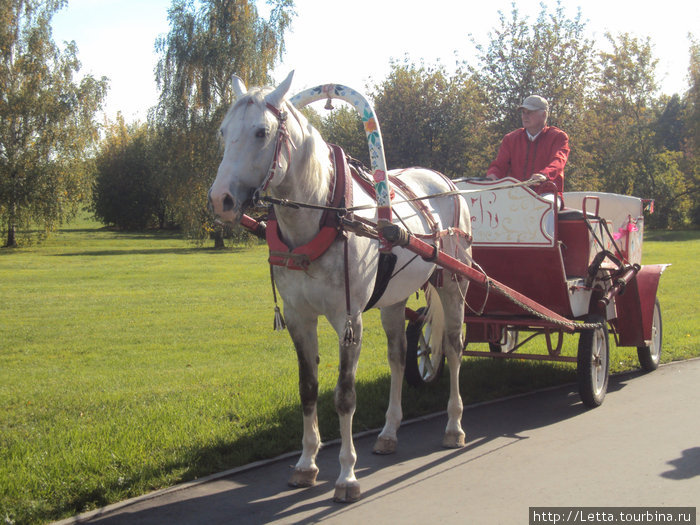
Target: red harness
pixel 300 257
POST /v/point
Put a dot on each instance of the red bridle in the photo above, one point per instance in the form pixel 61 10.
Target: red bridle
pixel 283 137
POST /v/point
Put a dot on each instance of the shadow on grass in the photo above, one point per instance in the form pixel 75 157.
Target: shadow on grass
pixel 141 251
pixel 480 380
pixel 155 251
pixel 260 495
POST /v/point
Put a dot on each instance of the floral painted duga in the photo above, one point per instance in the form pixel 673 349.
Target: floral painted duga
pixel 374 135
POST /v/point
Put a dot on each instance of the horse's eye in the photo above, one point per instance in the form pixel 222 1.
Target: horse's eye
pixel 221 132
pixel 261 133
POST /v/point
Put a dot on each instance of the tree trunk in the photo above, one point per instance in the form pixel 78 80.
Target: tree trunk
pixel 12 218
pixel 11 241
pixel 219 238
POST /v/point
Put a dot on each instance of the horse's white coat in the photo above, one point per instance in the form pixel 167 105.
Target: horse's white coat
pixel 304 174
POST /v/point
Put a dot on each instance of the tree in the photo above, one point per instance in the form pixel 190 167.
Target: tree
pixel 691 144
pixel 670 126
pixel 128 193
pixel 623 113
pixel 47 125
pixel 342 126
pixel 428 119
pixel 551 58
pixel 208 42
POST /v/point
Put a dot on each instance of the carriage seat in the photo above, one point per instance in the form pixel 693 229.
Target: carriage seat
pixel 622 214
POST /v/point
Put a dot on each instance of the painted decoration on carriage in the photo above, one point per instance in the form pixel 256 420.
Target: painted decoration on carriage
pixel 514 216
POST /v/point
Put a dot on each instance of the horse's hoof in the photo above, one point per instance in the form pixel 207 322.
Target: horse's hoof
pixel 347 493
pixel 454 440
pixel 303 477
pixel 385 446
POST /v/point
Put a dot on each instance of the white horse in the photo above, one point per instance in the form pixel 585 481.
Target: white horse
pixel 270 146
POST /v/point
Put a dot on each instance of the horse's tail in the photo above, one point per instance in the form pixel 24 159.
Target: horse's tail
pixel 435 318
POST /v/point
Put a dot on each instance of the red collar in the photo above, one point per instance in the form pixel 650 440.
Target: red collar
pixel 329 226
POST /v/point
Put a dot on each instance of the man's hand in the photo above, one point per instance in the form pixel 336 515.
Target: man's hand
pixel 491 176
pixel 538 177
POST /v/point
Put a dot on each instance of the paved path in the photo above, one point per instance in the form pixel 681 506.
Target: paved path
pixel 641 448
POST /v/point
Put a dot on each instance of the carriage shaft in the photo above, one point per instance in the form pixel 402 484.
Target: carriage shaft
pixel 431 253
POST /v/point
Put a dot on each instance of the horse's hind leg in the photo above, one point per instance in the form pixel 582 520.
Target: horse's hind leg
pixel 452 298
pixel 393 321
pixel 303 332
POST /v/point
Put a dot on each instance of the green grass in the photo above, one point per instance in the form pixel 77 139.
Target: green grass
pixel 130 362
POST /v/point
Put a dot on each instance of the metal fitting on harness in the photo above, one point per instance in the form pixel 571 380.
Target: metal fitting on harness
pixel 433 256
pixel 395 235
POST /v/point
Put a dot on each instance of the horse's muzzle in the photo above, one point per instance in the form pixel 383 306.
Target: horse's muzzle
pixel 229 206
pixel 223 205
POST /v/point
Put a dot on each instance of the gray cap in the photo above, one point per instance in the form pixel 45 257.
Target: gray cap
pixel 534 103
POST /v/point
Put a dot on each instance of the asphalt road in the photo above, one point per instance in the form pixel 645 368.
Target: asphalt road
pixel 640 448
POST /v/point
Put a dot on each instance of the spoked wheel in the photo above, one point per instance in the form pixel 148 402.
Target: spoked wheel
pixel 593 362
pixel 509 339
pixel 423 365
pixel 650 356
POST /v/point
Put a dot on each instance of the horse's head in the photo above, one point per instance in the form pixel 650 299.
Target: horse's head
pixel 257 148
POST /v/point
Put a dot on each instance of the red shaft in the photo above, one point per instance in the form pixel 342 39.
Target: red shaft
pixel 430 253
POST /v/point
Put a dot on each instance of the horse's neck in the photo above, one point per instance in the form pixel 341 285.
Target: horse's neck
pixel 308 180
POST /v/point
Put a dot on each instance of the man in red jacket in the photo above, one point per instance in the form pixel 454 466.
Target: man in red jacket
pixel 535 151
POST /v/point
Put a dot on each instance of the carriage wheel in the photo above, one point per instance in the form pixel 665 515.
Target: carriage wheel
pixel 423 366
pixel 593 362
pixel 509 339
pixel 650 356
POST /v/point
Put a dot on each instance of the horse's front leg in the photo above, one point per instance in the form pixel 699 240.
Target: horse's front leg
pixel 393 321
pixel 347 488
pixel 305 338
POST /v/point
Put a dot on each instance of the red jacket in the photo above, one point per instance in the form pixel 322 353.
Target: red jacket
pixel 520 158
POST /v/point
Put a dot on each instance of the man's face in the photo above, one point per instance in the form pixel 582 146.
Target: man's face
pixel 533 119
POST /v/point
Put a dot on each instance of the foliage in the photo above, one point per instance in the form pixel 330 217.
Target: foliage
pixel 208 43
pixel 641 132
pixel 691 124
pixel 342 126
pixel 427 117
pixel 46 121
pixel 128 192
pixel 551 58
pixel 624 136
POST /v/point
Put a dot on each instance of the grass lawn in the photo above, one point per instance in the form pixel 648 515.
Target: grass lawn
pixel 130 362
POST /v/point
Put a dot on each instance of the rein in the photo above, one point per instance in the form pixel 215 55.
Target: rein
pixel 296 204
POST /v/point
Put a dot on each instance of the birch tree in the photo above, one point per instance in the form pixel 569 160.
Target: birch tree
pixel 47 125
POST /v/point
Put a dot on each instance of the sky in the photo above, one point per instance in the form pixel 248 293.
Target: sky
pixel 353 43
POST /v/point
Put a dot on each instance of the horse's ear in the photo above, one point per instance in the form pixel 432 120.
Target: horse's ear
pixel 275 98
pixel 239 88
